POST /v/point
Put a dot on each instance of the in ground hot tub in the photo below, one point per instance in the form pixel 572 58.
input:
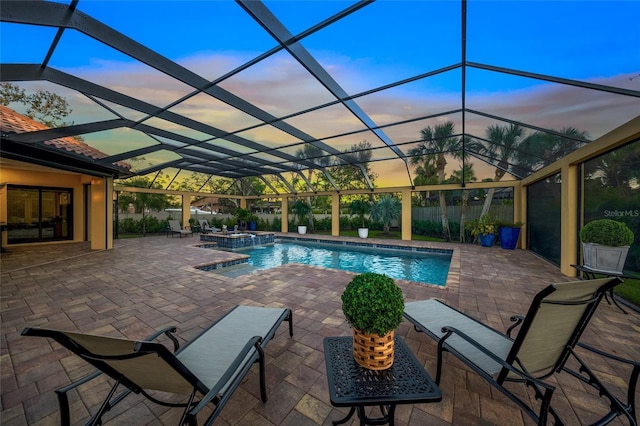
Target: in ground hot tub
pixel 239 240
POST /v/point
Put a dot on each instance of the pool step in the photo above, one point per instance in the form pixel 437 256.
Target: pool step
pixel 236 270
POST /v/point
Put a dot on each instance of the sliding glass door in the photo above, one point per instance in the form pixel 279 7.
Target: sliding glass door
pixel 36 214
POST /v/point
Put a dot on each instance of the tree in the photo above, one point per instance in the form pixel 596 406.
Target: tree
pixel 351 175
pixel 542 148
pixel 360 208
pixel 315 155
pixel 10 93
pixel 503 149
pixel 618 169
pixel 43 106
pixel 386 210
pixel 464 174
pixel 437 142
pixel 250 185
pixel 142 200
pixel 426 172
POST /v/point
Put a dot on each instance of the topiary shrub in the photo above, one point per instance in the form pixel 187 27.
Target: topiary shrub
pixel 607 232
pixel 373 303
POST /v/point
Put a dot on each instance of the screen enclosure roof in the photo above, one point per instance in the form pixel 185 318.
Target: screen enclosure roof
pixel 283 89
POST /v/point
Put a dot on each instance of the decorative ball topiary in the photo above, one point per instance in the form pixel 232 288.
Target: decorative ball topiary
pixel 373 303
pixel 607 232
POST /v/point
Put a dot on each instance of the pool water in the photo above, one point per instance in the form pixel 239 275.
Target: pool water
pixel 431 268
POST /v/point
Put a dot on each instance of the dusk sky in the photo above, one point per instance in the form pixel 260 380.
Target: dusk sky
pixel 387 41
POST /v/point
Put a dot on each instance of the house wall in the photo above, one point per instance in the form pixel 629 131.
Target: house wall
pixel 568 169
pixel 47 178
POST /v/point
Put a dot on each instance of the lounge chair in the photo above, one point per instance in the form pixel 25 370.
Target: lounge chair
pixel 206 370
pixel 175 228
pixel 548 334
pixel 205 228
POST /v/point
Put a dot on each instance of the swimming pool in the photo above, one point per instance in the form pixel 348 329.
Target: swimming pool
pixel 431 268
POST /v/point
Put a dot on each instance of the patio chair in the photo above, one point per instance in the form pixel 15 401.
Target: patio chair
pixel 548 334
pixel 175 228
pixel 208 369
pixel 205 228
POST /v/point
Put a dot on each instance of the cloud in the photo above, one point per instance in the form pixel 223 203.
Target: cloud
pixel 280 86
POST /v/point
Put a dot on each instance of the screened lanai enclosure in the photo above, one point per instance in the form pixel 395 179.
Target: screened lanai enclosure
pixel 456 104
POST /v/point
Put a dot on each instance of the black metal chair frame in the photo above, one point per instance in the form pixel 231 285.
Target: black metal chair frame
pixel 234 373
pixel 511 365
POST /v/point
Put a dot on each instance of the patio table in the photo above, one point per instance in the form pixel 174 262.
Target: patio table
pixel 351 385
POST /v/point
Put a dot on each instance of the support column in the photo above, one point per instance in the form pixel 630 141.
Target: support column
pixel 569 220
pixel 518 209
pixel 186 211
pixel 520 197
pixel 285 214
pixel 406 214
pixel 335 215
pixel 101 220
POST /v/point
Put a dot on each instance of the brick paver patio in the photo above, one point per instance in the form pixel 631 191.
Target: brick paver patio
pixel 148 283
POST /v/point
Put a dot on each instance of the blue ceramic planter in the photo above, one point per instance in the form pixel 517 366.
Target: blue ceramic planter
pixel 509 237
pixel 487 240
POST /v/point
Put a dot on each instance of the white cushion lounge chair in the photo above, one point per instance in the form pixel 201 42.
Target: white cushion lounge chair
pixel 205 228
pixel 175 228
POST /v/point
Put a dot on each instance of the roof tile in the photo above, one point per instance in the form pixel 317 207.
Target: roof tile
pixel 11 121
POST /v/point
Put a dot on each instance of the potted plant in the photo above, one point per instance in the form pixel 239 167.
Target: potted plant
pixel 300 209
pixel 242 216
pixel 484 229
pixel 360 208
pixel 252 222
pixel 373 304
pixel 509 233
pixel 386 210
pixel 605 244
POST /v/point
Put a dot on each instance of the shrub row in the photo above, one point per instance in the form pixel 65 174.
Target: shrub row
pixel 153 225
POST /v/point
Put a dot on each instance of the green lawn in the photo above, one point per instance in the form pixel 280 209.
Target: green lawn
pixel 629 290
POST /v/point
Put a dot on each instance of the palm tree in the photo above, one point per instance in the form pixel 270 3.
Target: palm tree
pixel 386 210
pixel 542 148
pixel 426 170
pixel 464 174
pixel 438 141
pixel 503 148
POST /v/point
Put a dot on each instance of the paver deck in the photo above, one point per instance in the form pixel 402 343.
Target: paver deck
pixel 147 283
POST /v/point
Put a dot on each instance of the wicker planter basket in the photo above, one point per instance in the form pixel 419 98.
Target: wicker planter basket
pixel 372 351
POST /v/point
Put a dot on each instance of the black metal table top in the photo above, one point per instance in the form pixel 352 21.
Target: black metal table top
pixel 591 273
pixel 405 382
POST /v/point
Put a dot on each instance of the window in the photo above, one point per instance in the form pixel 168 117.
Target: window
pixel 612 191
pixel 39 214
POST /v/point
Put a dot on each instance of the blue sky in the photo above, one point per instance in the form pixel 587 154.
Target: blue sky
pixel 594 41
pixel 582 39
